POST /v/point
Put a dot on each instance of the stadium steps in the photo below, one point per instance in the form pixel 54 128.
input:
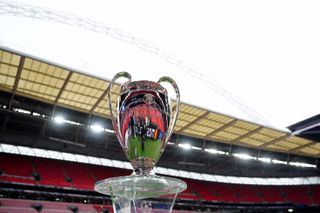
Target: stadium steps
pixel 51 172
pixel 297 195
pixel 258 194
pixel 245 193
pixel 92 175
pixel 270 194
pixel 222 192
pixel 316 194
pixel 283 194
pixel 67 177
pixel 80 175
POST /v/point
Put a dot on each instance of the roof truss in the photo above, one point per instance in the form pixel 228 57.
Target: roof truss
pixel 46 82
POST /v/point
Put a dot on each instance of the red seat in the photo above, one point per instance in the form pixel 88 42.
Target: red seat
pixel 21 206
pixel 80 175
pixel 51 172
pixel 223 192
pixel 16 165
pixel 17 180
pixel 270 194
pixel 297 194
pixel 102 172
pixel 315 192
pixel 84 176
pixel 246 193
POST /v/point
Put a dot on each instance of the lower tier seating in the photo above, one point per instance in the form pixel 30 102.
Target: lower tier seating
pixel 26 206
pixel 21 169
pixel 30 206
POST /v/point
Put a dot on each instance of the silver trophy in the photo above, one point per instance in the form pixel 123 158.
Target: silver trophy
pixel 143 123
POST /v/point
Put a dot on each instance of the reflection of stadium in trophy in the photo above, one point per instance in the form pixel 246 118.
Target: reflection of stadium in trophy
pixel 143 123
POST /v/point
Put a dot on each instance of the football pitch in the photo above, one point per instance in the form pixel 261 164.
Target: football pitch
pixel 151 148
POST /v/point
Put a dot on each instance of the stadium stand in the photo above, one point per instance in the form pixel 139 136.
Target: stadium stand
pixel 83 177
pixel 28 206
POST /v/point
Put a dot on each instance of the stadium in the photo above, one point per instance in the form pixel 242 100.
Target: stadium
pixel 57 138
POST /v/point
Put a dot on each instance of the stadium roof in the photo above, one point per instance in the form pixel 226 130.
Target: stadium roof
pixel 39 79
pixel 263 52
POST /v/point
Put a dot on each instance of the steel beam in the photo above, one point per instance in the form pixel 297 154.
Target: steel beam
pixel 230 123
pixel 65 83
pixel 248 134
pixel 275 141
pixel 17 79
pixel 99 101
pixel 194 121
pixel 302 146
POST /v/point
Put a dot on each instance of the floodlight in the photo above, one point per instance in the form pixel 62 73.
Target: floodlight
pixel 195 148
pixel 59 119
pixel 266 160
pixel 97 128
pixel 279 162
pixel 35 114
pixel 300 164
pixel 215 151
pixel 244 156
pixel 109 130
pixel 185 146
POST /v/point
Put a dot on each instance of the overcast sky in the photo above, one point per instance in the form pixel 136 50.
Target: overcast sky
pixel 264 53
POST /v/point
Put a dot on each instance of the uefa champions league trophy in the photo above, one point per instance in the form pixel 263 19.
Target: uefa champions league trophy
pixel 143 123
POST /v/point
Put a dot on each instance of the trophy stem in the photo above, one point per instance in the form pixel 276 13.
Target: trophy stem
pixel 142 166
pixel 141 171
pixel 162 205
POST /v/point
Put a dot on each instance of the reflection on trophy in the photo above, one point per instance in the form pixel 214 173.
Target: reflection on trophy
pixel 143 123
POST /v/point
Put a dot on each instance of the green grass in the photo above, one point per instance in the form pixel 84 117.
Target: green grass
pixel 151 148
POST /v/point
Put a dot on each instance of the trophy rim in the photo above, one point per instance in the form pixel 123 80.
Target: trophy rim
pixel 140 186
pixel 127 85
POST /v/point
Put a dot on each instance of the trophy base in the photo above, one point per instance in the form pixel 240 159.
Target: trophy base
pixel 134 187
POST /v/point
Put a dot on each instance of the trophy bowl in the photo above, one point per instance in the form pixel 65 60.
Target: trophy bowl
pixel 143 123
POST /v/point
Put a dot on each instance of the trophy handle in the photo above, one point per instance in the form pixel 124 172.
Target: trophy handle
pixel 115 119
pixel 175 115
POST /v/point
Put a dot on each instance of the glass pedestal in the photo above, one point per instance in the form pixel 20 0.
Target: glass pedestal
pixel 141 193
